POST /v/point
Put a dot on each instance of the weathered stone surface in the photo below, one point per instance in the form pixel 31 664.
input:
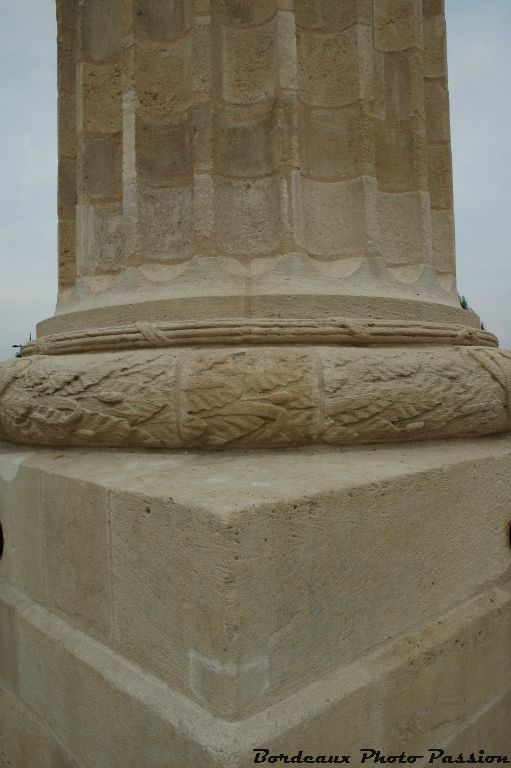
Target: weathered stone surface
pixel 271 154
pixel 490 726
pixel 99 98
pixel 24 741
pixel 100 237
pixel 335 71
pixel 23 559
pixel 397 24
pixel 256 250
pixel 162 18
pixel 257 114
pixel 268 529
pixel 74 521
pixel 100 30
pixel 255 397
pixel 101 168
pixel 8 647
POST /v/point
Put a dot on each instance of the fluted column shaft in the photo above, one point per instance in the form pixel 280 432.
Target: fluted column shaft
pixel 230 155
pixel 99 233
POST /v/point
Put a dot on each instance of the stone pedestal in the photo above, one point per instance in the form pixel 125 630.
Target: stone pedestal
pixel 256 254
pixel 184 609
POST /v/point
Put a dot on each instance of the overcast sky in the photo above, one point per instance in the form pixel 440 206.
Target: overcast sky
pixel 480 75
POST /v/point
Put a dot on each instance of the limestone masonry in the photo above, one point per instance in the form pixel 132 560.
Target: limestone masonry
pixel 256 239
pixel 256 251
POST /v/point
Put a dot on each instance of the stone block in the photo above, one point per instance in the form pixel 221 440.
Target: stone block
pixel 99 104
pixel 23 562
pixel 67 125
pixel 287 50
pixel 333 725
pixel 336 144
pixel 230 559
pixel 334 217
pixel 77 690
pixel 74 521
pixel 67 189
pixel 243 13
pixel 66 61
pixel 99 240
pixel 330 15
pixel 66 14
pixel 356 401
pixel 164 151
pixel 401 160
pixel 249 71
pixel 445 683
pixel 397 24
pixel 8 647
pixel 442 225
pixel 100 164
pixel 315 14
pixel 201 57
pixel 201 119
pixel 162 77
pixel 405 227
pixel 69 680
pixel 245 145
pixel 67 252
pixel 162 222
pixel 201 7
pixel 247 216
pixel 432 7
pixel 404 87
pixel 204 544
pixel 203 219
pixel 353 12
pixel 320 583
pixel 437 111
pixel 158 554
pixel 440 176
pixel 100 29
pixel 435 53
pixel 288 121
pixel 335 70
pixel 162 19
pixel 489 729
pixel 24 742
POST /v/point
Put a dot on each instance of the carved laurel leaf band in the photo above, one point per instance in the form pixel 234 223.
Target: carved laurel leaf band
pixel 266 397
pixel 330 331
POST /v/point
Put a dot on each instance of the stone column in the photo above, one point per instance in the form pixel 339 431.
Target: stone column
pixel 263 201
pixel 256 251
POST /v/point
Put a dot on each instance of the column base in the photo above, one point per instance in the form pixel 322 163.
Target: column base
pixel 389 388
pixel 185 609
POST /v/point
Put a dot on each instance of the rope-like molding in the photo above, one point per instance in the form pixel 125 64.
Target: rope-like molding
pixel 254 332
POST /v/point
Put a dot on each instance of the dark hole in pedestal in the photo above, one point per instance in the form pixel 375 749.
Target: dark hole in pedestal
pixel 509 535
pixel 1 540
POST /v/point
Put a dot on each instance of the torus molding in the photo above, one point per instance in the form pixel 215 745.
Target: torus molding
pixel 264 397
pixel 329 331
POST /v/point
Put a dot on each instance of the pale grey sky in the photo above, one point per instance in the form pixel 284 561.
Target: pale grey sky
pixel 480 77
